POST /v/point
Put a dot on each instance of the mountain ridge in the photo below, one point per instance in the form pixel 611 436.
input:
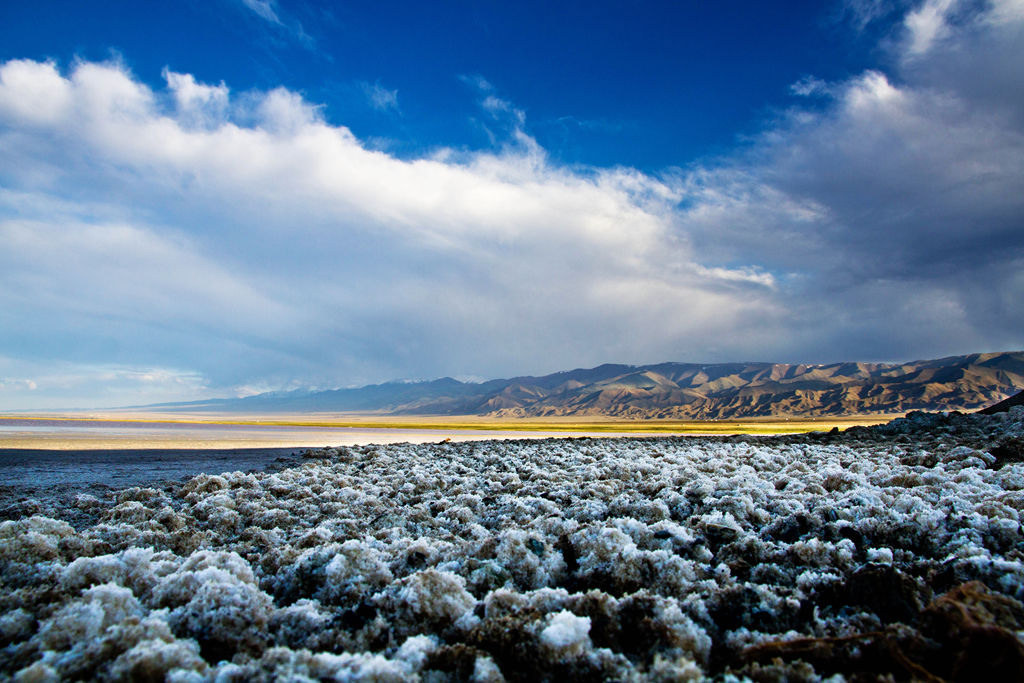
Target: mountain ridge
pixel 671 390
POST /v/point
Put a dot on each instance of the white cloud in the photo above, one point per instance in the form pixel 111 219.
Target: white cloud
pixel 268 230
pixel 109 271
pixel 926 25
pixel 43 96
pixel 285 113
pixel 201 105
pixel 1005 12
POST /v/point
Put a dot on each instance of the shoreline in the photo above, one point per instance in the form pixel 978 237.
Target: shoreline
pixel 107 430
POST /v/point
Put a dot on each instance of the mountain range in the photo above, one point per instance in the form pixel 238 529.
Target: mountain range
pixel 675 391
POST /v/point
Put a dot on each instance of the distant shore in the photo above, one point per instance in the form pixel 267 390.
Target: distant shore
pixel 105 430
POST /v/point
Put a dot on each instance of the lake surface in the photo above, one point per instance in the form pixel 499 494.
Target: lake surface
pixel 119 468
pixel 57 457
pixel 77 434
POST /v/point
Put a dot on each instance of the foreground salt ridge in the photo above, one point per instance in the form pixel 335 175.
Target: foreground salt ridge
pixel 656 558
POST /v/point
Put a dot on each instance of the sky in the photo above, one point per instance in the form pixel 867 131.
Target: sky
pixel 225 197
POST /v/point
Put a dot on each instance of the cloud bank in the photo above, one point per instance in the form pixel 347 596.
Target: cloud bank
pixel 238 239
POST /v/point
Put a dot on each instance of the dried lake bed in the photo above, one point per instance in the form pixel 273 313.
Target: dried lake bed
pixel 887 551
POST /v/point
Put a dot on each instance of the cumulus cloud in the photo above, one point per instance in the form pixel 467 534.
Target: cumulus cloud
pixel 236 234
pixel 247 239
pixel 200 104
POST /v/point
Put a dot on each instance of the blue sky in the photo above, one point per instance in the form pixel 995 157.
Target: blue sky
pixel 602 83
pixel 224 197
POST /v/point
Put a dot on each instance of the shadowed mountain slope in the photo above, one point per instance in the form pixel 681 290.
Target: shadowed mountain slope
pixel 678 391
pixel 1004 405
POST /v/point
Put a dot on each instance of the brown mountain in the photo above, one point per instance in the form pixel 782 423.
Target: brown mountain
pixel 681 391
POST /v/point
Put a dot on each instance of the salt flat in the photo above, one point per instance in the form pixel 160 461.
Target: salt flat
pixel 894 550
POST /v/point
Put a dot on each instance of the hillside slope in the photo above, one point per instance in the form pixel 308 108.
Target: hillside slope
pixel 679 391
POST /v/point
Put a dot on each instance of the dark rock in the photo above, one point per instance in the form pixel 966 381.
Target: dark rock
pixel 788 529
pixel 1009 450
pixel 415 559
pixel 355 619
pixel 569 554
pixel 977 627
pixel 740 606
pixel 887 592
pixel 852 534
pixel 718 535
pixel 456 660
pixel 882 589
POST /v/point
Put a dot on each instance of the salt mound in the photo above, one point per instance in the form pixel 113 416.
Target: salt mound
pixel 874 552
pixel 566 633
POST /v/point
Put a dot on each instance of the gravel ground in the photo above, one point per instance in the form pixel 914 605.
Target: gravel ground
pixel 893 551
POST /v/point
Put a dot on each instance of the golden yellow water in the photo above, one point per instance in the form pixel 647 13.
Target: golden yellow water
pixel 178 430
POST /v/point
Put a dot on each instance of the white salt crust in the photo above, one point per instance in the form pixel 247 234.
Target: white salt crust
pixel 617 558
pixel 566 633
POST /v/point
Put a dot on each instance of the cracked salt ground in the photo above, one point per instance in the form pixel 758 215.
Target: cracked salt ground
pixel 889 551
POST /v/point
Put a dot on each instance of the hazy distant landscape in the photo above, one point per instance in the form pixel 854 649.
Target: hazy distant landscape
pixel 666 398
pixel 675 391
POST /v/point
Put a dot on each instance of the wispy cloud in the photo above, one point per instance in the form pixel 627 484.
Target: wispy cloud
pixel 63 384
pixel 809 86
pixel 265 9
pixel 379 97
pixel 504 122
pixel 268 11
pixel 600 125
pixel 861 13
pixel 9 384
pixel 477 82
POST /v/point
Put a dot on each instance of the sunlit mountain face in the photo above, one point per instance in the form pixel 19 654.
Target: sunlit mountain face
pixel 677 391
